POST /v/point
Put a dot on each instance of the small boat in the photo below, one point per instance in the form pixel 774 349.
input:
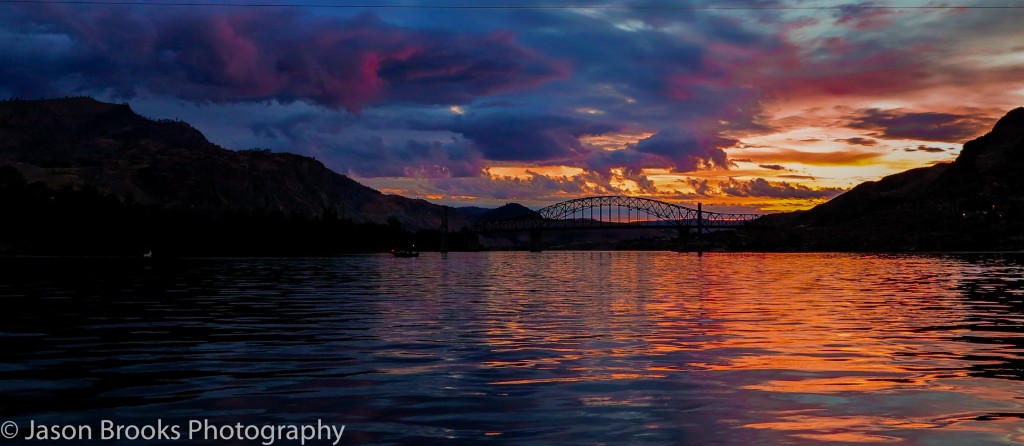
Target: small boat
pixel 404 253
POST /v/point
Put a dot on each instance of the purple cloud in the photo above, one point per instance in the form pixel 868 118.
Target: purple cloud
pixel 259 55
pixel 858 141
pixel 900 124
pixel 373 157
pixel 679 150
pixel 760 187
pixel 923 148
pixel 527 137
pixel 701 187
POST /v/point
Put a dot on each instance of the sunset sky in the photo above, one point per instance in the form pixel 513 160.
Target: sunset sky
pixel 762 105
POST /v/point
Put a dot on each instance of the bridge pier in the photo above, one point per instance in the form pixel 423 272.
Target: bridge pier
pixel 536 240
pixel 700 230
pixel 696 240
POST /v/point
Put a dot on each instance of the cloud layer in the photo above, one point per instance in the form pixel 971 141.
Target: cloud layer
pixel 639 101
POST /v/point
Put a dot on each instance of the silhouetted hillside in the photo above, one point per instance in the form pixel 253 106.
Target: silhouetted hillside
pixel 83 142
pixel 888 194
pixel 506 211
pixel 973 203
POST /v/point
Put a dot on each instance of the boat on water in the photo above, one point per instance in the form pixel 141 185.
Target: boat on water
pixel 404 253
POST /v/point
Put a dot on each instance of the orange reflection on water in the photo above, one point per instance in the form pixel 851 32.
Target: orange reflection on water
pixel 808 348
pixel 791 324
pixel 781 315
pixel 843 384
pixel 821 426
pixel 849 437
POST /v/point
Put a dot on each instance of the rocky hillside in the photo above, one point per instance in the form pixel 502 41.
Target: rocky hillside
pixel 80 141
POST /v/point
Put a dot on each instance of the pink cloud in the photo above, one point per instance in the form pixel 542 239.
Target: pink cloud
pixel 280 54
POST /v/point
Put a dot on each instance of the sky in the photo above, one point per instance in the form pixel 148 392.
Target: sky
pixel 752 106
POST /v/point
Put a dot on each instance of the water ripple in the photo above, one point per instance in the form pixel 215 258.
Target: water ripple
pixel 548 348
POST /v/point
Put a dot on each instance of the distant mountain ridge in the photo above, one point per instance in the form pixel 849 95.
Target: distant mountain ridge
pixel 506 211
pixel 81 141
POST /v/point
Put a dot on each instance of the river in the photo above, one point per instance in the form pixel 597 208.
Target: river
pixel 554 348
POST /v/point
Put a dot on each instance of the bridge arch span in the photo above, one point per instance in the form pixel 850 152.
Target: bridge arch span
pixel 658 209
pixel 618 212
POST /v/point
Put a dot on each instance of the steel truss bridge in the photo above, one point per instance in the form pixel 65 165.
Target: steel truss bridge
pixel 616 212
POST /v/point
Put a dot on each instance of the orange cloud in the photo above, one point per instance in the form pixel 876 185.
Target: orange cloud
pixel 615 141
pixel 835 158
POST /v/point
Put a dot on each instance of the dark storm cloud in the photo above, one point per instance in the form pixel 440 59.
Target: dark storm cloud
pixel 299 127
pixel 460 144
pixel 900 124
pixel 677 150
pixel 634 70
pixel 772 166
pixel 527 137
pixel 371 145
pixel 687 151
pixel 257 55
pixel 373 157
pixel 641 68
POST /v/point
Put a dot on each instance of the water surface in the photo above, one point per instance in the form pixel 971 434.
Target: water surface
pixel 528 348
